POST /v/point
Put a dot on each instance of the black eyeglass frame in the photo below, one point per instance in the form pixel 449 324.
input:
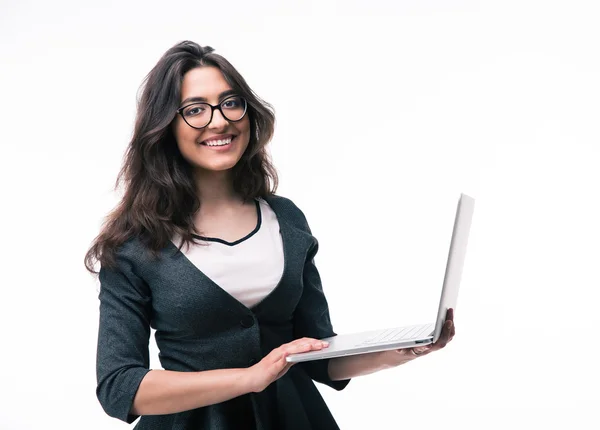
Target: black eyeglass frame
pixel 212 111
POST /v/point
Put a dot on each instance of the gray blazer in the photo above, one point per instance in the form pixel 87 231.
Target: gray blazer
pixel 199 326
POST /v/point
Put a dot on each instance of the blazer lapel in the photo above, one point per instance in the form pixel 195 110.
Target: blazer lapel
pixel 296 244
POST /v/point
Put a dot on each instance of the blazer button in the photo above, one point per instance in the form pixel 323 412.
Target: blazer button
pixel 247 321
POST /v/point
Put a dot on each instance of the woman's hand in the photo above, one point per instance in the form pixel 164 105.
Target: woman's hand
pixel 274 365
pixel 401 356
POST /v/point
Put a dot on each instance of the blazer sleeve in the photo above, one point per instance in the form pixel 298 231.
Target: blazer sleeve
pixel 311 318
pixel 122 358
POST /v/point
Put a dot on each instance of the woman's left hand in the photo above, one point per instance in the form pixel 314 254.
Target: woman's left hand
pixel 401 356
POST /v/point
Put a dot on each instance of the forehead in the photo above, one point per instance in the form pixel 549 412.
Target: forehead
pixel 206 81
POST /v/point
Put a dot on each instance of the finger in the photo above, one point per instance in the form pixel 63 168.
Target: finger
pixel 442 341
pixel 302 340
pixel 317 344
pixel 293 347
pixel 421 350
pixel 276 355
pixel 295 342
pixel 297 348
pixel 303 347
pixel 283 363
pixel 449 327
pixel 274 367
pixel 450 314
pixel 406 352
pixel 308 340
pixel 279 368
pixel 445 335
pixel 284 370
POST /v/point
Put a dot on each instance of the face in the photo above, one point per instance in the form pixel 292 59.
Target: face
pixel 209 84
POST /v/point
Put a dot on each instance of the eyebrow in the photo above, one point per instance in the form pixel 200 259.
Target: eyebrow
pixel 223 95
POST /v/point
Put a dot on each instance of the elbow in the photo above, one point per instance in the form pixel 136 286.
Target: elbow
pixel 112 401
pixel 116 393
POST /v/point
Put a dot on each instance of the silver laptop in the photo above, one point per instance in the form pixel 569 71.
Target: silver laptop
pixel 413 335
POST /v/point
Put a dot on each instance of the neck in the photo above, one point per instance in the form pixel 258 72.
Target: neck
pixel 215 190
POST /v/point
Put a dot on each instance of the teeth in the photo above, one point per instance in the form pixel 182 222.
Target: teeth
pixel 218 142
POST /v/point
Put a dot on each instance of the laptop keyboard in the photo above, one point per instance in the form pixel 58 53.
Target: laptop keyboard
pixel 399 334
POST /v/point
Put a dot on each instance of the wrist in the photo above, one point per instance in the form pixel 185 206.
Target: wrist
pixel 387 359
pixel 396 357
pixel 247 381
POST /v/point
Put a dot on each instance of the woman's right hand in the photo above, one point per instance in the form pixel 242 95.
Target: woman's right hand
pixel 274 365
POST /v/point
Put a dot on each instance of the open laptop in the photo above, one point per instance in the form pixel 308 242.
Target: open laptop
pixel 413 335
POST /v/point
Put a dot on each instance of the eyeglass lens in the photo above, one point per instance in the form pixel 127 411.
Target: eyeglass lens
pixel 199 114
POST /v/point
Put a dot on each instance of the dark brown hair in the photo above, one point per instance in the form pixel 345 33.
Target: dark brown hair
pixel 160 196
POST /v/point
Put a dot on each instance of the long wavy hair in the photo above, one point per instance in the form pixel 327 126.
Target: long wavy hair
pixel 160 199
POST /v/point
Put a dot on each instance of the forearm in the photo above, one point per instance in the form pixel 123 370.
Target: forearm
pixel 358 365
pixel 168 392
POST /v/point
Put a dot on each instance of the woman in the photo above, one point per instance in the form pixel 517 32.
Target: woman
pixel 202 249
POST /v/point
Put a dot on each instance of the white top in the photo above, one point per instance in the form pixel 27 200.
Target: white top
pixel 249 268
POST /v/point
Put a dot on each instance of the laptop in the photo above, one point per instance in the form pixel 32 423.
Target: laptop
pixel 413 335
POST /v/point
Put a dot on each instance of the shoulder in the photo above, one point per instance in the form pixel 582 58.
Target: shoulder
pixel 130 256
pixel 132 249
pixel 287 210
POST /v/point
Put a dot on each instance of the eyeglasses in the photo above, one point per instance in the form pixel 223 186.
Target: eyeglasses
pixel 199 115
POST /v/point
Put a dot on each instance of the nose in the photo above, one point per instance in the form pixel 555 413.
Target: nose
pixel 218 121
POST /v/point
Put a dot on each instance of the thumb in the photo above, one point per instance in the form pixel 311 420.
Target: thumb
pixel 283 371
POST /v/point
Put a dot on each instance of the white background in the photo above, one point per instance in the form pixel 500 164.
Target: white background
pixel 386 111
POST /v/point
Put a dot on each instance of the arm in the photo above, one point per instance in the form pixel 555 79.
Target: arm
pixel 168 392
pixel 127 387
pixel 363 364
pixel 358 365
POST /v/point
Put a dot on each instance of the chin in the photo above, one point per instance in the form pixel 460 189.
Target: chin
pixel 221 167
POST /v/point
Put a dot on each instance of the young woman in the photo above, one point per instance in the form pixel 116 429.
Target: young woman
pixel 201 249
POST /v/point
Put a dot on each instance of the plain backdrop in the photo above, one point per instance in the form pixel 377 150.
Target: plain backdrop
pixel 386 112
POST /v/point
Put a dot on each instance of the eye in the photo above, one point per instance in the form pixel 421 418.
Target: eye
pixel 194 110
pixel 232 103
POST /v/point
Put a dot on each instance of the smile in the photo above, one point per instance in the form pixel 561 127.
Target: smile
pixel 218 142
